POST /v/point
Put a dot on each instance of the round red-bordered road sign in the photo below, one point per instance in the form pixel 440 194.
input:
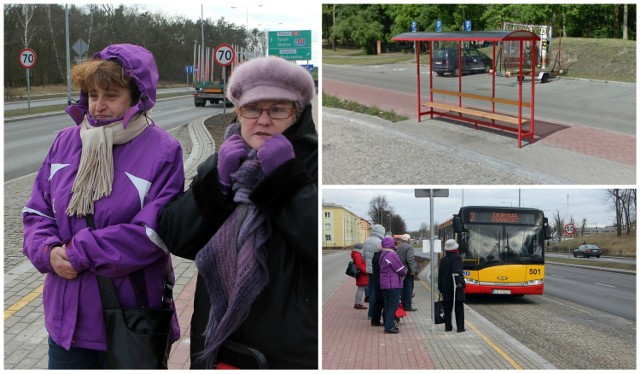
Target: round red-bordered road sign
pixel 224 54
pixel 27 58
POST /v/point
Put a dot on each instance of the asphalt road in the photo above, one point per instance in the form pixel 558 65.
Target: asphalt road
pixel 27 141
pixel 603 105
pixel 40 102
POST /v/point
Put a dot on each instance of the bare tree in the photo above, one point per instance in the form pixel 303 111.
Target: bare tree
pixel 558 222
pixel 625 22
pixel 53 41
pixel 424 229
pixel 380 210
pixel 28 30
pixel 584 224
pixel 616 202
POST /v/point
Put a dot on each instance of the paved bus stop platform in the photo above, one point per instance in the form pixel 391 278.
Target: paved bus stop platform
pixel 349 342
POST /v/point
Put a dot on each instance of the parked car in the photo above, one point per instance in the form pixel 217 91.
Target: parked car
pixel 587 250
pixel 445 61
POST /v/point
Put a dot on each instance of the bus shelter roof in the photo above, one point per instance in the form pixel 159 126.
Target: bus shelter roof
pixel 490 36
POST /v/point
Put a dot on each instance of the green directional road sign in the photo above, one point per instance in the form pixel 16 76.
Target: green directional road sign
pixel 290 45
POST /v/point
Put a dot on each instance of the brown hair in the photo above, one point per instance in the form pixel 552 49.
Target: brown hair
pixel 103 73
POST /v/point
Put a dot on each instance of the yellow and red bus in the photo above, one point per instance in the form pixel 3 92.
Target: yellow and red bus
pixel 502 248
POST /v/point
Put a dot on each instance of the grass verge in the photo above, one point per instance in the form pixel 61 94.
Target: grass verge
pixel 352 106
pixel 591 262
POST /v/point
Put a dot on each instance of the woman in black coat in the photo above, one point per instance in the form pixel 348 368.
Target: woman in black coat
pixel 262 294
pixel 452 288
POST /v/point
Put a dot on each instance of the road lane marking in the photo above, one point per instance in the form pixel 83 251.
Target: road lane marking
pixel 487 340
pixel 13 309
pixel 605 285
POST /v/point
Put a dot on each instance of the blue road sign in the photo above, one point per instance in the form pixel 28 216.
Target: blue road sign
pixel 467 25
pixel 188 69
pixel 414 26
pixel 308 67
pixel 438 25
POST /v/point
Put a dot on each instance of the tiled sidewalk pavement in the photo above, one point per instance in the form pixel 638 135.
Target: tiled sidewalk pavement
pixel 350 342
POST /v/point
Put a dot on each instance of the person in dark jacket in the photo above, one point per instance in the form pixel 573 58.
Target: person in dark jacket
pixel 376 304
pixel 407 256
pixel 249 219
pixel 362 278
pixel 451 285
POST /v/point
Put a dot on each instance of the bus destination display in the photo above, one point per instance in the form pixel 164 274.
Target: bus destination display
pixel 488 216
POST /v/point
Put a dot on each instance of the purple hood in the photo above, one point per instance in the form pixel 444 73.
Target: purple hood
pixel 139 64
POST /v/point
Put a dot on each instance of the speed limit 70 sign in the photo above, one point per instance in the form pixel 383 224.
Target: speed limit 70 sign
pixel 27 58
pixel 224 54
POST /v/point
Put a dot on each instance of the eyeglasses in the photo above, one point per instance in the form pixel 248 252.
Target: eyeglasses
pixel 275 112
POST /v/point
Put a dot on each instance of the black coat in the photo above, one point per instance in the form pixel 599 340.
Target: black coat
pixel 375 264
pixel 283 320
pixel 450 263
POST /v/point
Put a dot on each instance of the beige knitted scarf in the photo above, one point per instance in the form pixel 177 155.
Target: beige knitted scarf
pixel 94 179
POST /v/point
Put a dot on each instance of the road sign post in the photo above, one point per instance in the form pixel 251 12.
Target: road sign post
pixel 224 54
pixel 569 230
pixel 431 193
pixel 27 59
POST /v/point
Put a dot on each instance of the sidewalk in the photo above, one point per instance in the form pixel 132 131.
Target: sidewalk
pixel 349 342
pixel 562 153
pixel 25 337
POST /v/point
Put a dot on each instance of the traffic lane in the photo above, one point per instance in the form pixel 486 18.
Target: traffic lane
pixel 23 104
pixel 608 292
pixel 334 265
pixel 620 260
pixel 27 141
pixel 564 101
pixel 567 335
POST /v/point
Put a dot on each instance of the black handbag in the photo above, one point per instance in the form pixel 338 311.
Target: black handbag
pixel 438 308
pixel 137 338
pixel 352 269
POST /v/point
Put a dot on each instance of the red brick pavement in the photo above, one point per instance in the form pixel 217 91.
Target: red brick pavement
pixel 179 356
pixel 350 342
pixel 588 141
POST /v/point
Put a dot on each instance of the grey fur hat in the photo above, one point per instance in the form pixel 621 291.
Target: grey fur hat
pixel 270 78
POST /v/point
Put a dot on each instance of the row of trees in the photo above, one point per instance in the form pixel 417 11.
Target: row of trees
pixel 170 38
pixel 362 25
pixel 623 205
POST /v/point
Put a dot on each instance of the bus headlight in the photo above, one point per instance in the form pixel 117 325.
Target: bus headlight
pixel 533 282
pixel 471 280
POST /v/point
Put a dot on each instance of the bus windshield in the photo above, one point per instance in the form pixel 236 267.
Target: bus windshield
pixel 491 244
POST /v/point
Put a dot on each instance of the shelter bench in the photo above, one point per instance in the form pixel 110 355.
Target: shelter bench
pixel 483 116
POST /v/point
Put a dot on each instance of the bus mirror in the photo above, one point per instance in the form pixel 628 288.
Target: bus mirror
pixel 457 224
pixel 547 229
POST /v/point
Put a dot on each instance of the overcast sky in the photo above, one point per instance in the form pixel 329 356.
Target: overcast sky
pixel 581 203
pixel 271 16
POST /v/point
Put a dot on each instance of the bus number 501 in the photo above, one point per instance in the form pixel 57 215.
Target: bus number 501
pixel 534 271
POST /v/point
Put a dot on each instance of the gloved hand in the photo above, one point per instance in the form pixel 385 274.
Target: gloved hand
pixel 274 152
pixel 230 156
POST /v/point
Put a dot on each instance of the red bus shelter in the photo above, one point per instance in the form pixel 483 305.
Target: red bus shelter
pixel 524 63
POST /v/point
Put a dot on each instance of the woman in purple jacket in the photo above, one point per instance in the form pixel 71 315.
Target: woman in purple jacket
pixel 117 166
pixel 392 273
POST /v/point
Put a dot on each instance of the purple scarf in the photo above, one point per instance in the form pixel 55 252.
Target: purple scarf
pixel 234 261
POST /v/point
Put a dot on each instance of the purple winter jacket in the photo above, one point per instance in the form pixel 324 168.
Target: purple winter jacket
pixel 392 270
pixel 148 173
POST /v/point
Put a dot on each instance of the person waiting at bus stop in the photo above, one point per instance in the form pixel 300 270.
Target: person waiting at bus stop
pixel 407 256
pixel 392 272
pixel 451 285
pixel 249 219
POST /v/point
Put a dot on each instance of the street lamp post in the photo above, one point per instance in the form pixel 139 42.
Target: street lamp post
pixel 247 13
